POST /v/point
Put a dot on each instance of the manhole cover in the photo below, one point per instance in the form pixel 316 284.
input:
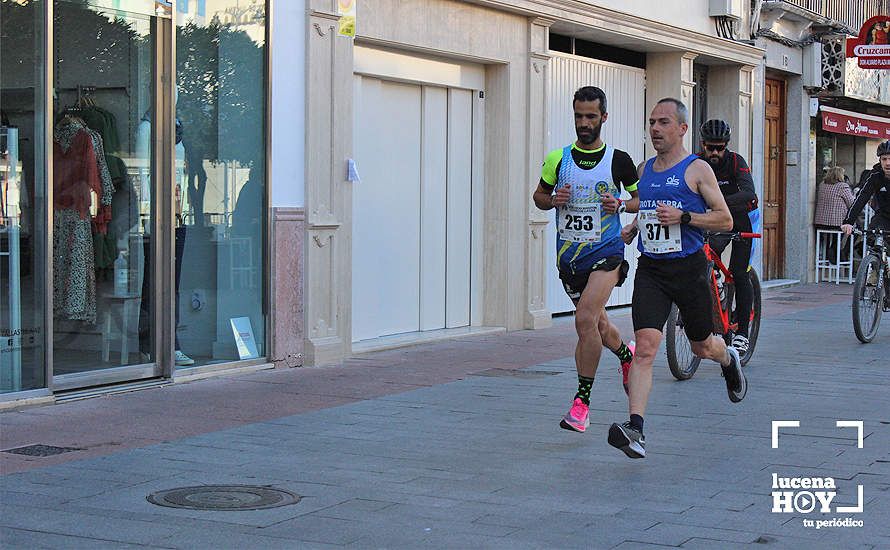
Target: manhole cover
pixel 41 450
pixel 224 497
pixel 516 373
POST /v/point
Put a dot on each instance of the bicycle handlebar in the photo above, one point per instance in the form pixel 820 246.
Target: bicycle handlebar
pixel 735 235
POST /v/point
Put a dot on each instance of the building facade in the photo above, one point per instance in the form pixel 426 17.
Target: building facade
pixel 445 110
pixel 809 85
pixel 196 186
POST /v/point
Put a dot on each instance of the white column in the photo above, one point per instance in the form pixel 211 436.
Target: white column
pixel 670 75
pixel 328 248
pixel 540 250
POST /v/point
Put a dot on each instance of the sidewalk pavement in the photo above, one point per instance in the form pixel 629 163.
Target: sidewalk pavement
pixel 457 445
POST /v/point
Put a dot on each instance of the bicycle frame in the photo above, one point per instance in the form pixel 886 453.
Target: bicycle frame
pixel 717 262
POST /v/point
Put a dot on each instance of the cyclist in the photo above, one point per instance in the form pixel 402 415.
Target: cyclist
pixel 679 200
pixel 878 185
pixel 590 253
pixel 734 177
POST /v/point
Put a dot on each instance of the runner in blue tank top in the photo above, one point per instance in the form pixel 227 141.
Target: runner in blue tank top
pixel 679 199
pixel 587 177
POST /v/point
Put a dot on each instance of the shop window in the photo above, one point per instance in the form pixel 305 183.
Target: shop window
pixel 221 187
pixel 560 43
pixel 103 202
pixel 22 202
pixel 594 50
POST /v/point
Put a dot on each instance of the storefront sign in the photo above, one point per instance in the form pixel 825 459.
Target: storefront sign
pixel 346 11
pixel 872 46
pixel 854 124
pixel 244 340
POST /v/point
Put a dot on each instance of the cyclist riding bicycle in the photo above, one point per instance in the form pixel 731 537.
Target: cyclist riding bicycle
pixel 734 177
pixel 877 184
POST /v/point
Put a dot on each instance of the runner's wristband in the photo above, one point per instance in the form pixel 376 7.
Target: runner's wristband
pixel 622 208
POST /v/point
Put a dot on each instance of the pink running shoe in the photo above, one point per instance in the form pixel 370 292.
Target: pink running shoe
pixel 576 419
pixel 625 367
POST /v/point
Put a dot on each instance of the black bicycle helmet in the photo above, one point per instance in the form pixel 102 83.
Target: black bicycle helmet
pixel 884 148
pixel 715 130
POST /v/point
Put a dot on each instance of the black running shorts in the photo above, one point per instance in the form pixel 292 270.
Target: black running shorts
pixel 683 281
pixel 575 283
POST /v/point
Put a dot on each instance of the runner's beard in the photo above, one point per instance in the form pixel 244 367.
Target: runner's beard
pixel 590 138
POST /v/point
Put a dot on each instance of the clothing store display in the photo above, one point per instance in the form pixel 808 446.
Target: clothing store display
pixel 79 170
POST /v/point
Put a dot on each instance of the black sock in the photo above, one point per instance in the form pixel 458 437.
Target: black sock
pixel 636 422
pixel 624 355
pixel 584 386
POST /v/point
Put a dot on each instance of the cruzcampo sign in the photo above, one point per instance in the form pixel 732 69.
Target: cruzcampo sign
pixel 872 46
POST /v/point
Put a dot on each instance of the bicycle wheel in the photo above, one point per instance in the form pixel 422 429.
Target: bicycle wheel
pixel 867 299
pixel 682 362
pixel 754 323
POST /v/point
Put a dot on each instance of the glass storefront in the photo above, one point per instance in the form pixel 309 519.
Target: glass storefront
pixel 133 199
pixel 220 191
pixel 103 102
pixel 22 196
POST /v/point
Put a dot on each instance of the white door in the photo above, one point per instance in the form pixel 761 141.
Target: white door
pixel 412 209
pixel 625 130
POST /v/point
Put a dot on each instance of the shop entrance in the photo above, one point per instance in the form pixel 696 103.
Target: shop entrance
pixel 106 200
pixel 113 172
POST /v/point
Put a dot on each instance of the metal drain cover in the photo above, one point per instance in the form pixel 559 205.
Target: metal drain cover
pixel 41 450
pixel 224 497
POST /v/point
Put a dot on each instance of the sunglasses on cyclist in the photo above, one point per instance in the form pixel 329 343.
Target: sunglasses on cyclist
pixel 712 147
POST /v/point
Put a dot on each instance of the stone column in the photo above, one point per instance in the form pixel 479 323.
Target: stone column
pixel 730 98
pixel 328 279
pixel 670 75
pixel 540 249
pixel 286 265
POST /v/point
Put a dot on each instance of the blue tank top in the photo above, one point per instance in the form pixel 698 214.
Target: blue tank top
pixel 670 187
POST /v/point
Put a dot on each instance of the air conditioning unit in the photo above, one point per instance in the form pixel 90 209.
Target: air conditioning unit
pixel 812 65
pixel 725 8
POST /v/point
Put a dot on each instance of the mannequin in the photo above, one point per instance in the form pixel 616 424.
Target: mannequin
pixel 143 151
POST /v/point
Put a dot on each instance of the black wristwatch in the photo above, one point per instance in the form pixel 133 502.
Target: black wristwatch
pixel 685 218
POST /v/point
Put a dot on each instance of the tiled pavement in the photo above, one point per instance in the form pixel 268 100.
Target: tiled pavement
pixel 457 445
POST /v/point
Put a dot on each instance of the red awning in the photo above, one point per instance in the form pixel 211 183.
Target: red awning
pixel 851 123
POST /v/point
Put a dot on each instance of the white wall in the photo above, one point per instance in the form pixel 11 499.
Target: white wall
pixel 288 48
pixel 686 14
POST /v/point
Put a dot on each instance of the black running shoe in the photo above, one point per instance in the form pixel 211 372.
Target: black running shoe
pixel 629 440
pixel 736 384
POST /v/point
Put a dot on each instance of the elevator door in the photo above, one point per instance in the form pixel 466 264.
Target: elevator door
pixel 412 209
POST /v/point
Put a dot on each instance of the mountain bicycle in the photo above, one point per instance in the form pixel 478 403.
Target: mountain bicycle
pixel 681 361
pixel 870 295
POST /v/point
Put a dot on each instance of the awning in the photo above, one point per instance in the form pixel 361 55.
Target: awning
pixel 851 123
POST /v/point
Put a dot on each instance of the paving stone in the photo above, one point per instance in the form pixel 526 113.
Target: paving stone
pixel 382 463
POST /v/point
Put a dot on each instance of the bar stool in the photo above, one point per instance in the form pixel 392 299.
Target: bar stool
pixel 124 304
pixel 835 271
